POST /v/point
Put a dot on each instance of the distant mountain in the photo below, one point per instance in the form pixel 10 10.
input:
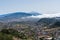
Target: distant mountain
pixel 55 25
pixel 49 22
pixel 17 16
pixel 35 13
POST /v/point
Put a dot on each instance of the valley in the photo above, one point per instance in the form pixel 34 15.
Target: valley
pixel 36 29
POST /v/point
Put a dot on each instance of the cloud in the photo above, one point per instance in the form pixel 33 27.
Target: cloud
pixel 44 16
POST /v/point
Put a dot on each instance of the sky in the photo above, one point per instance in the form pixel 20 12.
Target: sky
pixel 40 6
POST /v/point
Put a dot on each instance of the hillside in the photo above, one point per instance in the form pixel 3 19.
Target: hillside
pixel 17 16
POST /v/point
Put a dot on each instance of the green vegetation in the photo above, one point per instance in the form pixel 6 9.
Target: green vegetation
pixel 8 34
pixel 5 36
pixel 24 34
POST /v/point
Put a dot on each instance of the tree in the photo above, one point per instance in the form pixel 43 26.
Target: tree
pixel 5 37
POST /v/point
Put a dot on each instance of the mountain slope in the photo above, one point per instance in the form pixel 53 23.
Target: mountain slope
pixel 49 22
pixel 46 21
pixel 17 16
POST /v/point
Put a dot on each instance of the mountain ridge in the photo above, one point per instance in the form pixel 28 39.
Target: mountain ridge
pixel 17 16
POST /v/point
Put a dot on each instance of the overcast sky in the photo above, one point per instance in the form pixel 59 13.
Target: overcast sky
pixel 41 6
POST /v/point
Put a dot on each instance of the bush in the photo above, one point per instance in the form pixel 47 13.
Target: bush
pixel 5 37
